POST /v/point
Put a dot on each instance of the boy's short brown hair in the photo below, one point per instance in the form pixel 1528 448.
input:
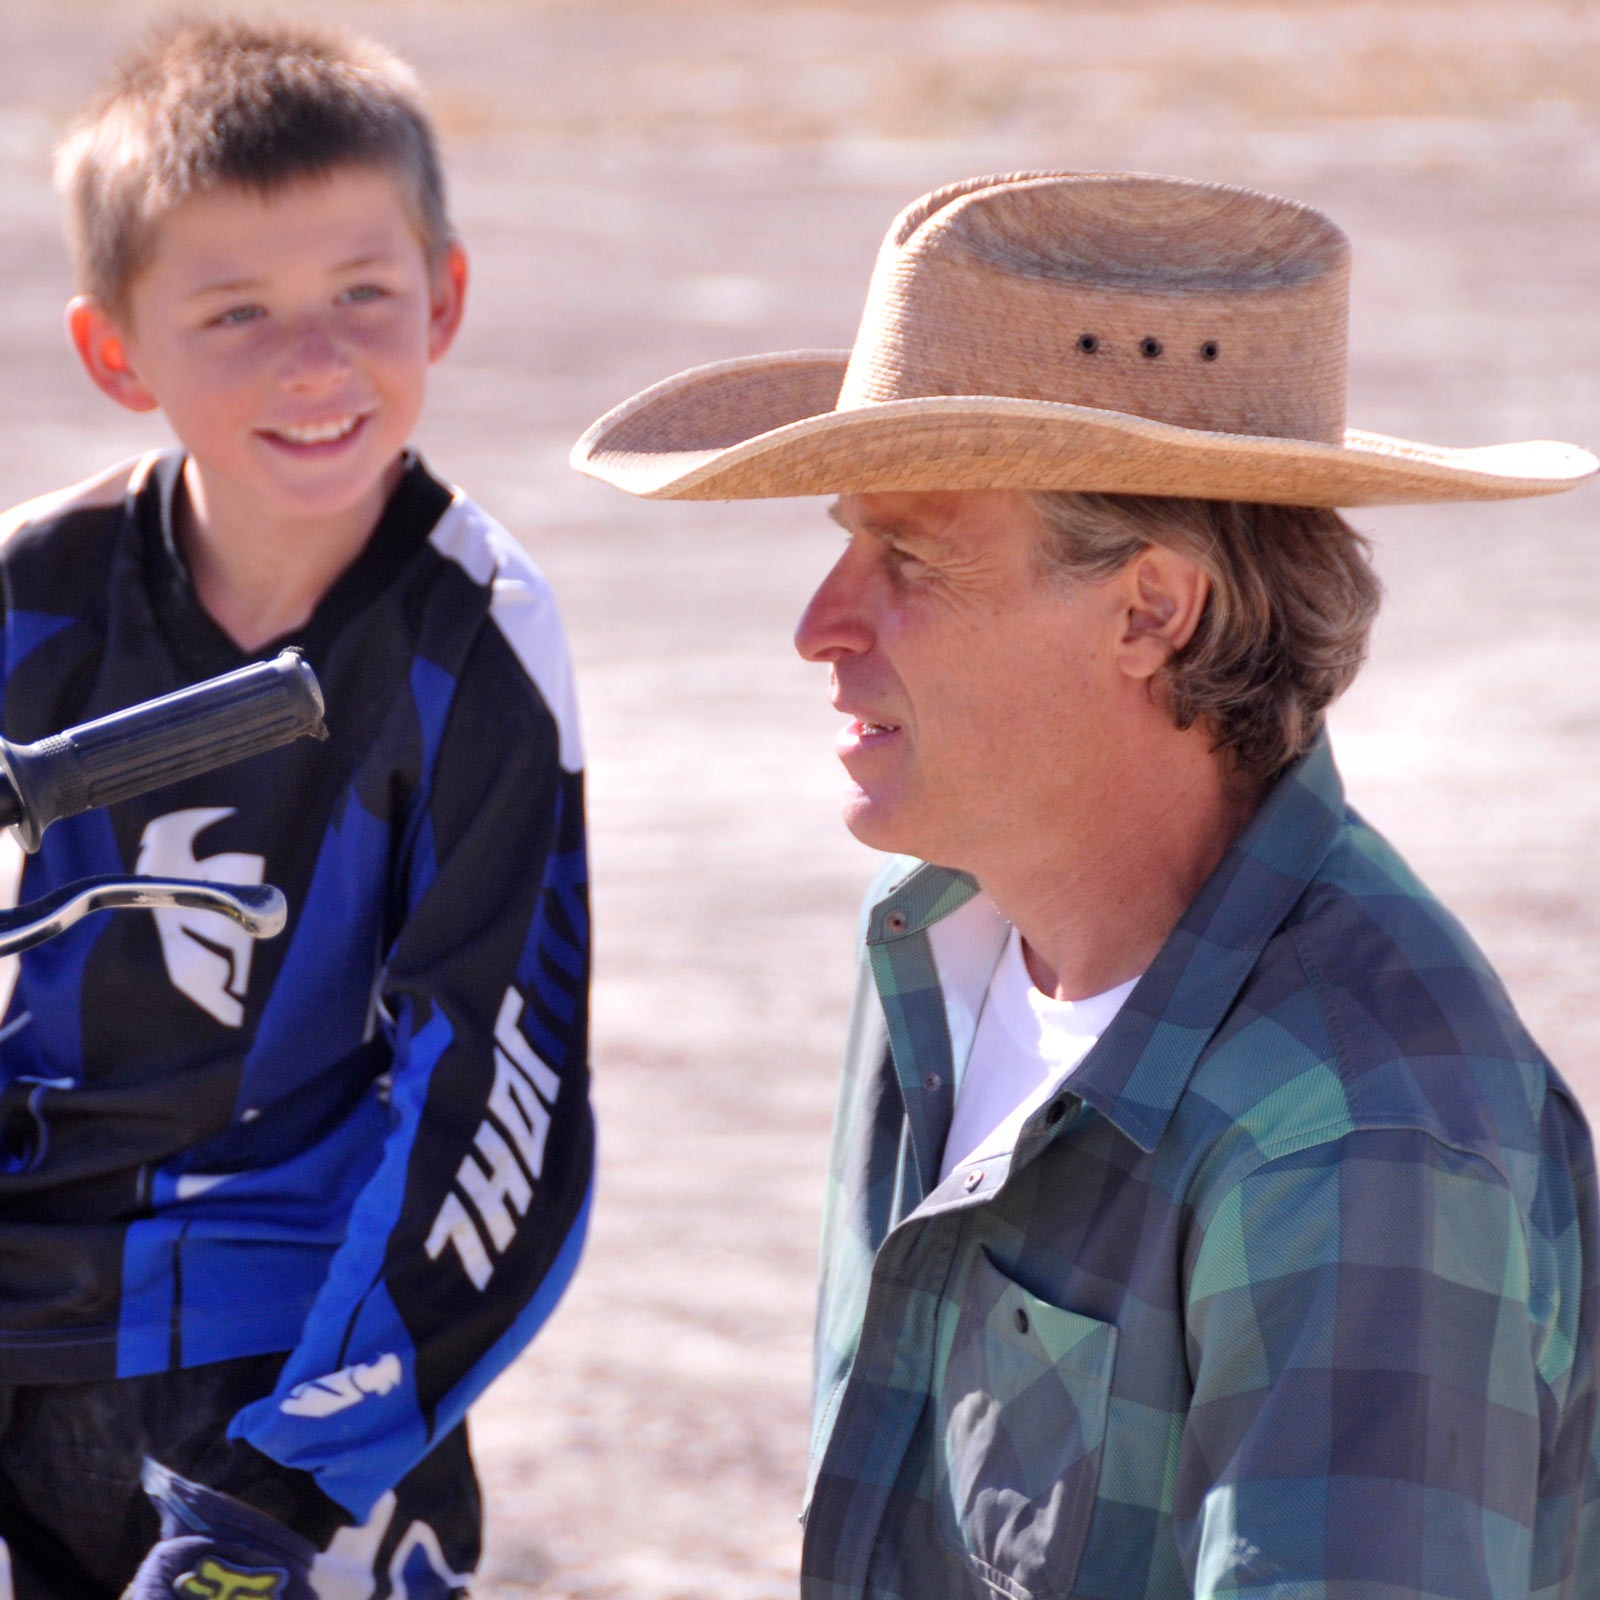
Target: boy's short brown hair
pixel 249 104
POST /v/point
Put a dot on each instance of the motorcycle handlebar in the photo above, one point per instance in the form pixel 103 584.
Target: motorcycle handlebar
pixel 158 742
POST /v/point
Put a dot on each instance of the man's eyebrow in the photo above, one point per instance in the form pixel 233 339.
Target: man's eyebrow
pixel 881 527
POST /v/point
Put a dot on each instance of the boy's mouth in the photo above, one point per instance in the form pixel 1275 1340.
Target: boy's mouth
pixel 326 430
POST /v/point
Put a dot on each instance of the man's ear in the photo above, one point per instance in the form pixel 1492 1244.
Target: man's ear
pixel 104 354
pixel 447 299
pixel 1164 595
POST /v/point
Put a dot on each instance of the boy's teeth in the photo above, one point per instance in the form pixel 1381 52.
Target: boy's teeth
pixel 318 432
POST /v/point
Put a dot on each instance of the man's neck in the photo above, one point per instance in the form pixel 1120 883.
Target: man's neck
pixel 258 572
pixel 1095 914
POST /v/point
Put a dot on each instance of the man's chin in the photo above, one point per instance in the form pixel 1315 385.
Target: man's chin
pixel 878 824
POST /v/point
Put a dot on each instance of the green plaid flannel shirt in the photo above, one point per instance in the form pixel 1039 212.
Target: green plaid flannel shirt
pixel 1290 1290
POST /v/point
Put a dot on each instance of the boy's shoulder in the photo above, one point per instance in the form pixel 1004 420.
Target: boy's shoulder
pixel 521 607
pixel 102 492
pixel 466 534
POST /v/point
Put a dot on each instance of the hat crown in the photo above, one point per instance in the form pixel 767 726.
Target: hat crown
pixel 1196 304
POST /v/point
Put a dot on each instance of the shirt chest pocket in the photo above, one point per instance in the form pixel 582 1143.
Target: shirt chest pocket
pixel 1021 1389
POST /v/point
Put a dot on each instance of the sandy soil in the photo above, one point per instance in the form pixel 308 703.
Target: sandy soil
pixel 648 186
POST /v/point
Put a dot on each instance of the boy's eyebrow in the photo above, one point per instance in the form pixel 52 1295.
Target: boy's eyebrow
pixel 368 258
pixel 223 286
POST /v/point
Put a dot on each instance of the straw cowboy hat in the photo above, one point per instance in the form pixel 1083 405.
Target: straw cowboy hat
pixel 1089 331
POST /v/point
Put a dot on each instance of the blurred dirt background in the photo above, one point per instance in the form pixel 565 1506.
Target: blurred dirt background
pixel 649 185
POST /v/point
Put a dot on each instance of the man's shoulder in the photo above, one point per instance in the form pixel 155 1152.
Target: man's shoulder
pixel 102 493
pixel 1373 1008
pixel 1370 934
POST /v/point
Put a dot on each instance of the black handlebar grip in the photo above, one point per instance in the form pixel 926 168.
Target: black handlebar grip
pixel 159 742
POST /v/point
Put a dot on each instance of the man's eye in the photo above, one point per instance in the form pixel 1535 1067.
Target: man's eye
pixel 907 565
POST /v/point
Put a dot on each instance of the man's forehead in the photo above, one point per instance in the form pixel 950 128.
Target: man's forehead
pixel 945 515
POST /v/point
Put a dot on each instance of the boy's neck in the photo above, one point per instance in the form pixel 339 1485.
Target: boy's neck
pixel 259 573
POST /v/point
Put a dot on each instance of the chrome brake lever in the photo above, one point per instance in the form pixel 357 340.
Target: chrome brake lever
pixel 259 909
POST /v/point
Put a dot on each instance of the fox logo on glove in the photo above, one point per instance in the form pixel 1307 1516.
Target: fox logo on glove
pixel 207 956
pixel 217 1580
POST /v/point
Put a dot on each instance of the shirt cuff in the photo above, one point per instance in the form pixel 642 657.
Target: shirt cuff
pixel 284 1493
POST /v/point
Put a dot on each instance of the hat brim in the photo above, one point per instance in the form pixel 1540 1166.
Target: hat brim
pixel 764 426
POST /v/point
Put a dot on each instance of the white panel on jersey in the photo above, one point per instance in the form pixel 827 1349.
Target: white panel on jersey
pixel 11 859
pixel 207 954
pixel 193 1184
pixel 349 1386
pixel 346 1570
pixel 106 488
pixel 523 609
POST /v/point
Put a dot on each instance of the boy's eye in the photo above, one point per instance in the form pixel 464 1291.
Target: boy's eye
pixel 235 315
pixel 361 293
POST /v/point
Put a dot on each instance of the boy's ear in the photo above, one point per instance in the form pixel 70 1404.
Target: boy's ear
pixel 1163 597
pixel 447 299
pixel 104 354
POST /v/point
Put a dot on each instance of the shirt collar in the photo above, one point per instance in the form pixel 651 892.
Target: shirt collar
pixel 1136 1073
pixel 201 647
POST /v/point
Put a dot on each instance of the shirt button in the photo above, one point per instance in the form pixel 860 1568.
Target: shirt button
pixel 974 1178
pixel 932 1082
pixel 896 922
pixel 1020 1317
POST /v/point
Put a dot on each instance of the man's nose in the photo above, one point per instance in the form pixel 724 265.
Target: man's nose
pixel 836 622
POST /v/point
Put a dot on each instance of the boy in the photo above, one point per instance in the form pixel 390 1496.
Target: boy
pixel 272 1217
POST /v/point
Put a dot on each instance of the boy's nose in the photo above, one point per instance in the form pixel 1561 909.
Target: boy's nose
pixel 314 356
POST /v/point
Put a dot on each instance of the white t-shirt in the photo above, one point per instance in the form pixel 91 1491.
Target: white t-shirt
pixel 1025 1046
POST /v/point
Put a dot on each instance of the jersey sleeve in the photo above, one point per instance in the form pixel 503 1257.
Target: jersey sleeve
pixel 469 1230
pixel 1391 1388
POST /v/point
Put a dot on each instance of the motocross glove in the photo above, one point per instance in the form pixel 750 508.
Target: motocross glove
pixel 213 1547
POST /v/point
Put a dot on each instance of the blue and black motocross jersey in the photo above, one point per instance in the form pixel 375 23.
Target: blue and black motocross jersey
pixel 368 1141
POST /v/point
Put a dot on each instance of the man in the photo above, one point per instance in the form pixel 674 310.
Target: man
pixel 1202 1219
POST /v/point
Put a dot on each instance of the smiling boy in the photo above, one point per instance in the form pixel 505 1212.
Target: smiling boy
pixel 286 335
pixel 272 1217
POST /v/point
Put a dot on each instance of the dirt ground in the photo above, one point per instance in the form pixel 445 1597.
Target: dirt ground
pixel 647 186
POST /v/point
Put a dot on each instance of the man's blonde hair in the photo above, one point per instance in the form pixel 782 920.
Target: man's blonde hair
pixel 1285 626
pixel 255 105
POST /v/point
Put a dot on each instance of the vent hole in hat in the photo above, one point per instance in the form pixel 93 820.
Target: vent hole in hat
pixel 1149 348
pixel 1208 351
pixel 1088 343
